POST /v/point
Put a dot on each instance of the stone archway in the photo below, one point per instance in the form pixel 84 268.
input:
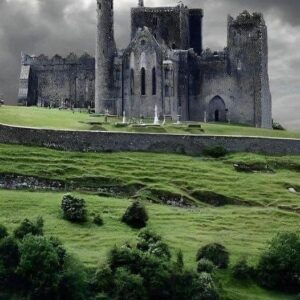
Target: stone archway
pixel 217 111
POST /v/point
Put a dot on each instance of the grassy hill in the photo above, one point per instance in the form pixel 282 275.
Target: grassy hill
pixel 242 210
pixel 65 119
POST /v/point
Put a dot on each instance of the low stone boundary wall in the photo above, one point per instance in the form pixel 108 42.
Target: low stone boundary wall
pixel 96 141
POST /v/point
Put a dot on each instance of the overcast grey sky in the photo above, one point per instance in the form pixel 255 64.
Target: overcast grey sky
pixel 62 26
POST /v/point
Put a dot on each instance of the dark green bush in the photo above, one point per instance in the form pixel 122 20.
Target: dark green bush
pixel 103 280
pixel 242 271
pixel 161 279
pixel 73 280
pixel 216 253
pixel 3 232
pixel 136 215
pixel 215 152
pixel 129 286
pixel 29 227
pixel 9 260
pixel 39 267
pixel 152 243
pixel 73 209
pixel 205 288
pixel 98 220
pixel 279 265
pixel 205 266
pixel 180 260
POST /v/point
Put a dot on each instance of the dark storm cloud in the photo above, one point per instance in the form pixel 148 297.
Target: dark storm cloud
pixel 62 26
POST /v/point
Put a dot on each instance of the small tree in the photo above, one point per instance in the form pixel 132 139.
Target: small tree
pixel 279 265
pixel 29 227
pixel 73 209
pixel 216 253
pixel 136 215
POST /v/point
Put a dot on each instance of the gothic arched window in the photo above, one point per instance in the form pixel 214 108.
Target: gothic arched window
pixel 143 81
pixel 154 81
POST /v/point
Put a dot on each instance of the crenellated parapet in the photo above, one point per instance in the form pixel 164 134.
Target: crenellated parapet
pixel 43 60
pixel 246 19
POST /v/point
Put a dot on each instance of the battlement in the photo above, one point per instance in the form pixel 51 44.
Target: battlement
pixel 163 9
pixel 245 19
pixel 71 59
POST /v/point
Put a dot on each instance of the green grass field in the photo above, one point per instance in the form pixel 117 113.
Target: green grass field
pixel 244 231
pixel 243 228
pixel 65 119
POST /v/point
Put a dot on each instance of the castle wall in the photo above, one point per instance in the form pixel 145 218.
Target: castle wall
pixel 96 141
pixel 60 82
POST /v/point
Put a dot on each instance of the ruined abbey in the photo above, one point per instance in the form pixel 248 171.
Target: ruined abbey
pixel 164 66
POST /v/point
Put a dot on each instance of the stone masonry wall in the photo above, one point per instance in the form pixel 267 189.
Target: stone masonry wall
pixel 96 141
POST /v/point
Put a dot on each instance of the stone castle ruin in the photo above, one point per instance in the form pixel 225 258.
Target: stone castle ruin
pixel 164 66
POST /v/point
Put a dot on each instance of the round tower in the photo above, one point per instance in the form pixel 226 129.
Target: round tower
pixel 105 53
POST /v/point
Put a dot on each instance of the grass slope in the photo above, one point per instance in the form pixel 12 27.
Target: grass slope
pixel 56 119
pixel 243 230
pixel 163 173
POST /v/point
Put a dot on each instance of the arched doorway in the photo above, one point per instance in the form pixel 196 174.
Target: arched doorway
pixel 217 111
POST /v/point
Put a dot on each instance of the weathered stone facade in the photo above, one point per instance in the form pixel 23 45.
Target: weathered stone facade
pixel 58 81
pixel 165 66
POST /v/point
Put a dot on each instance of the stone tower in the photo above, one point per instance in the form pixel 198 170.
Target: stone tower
pixel 105 54
pixel 248 52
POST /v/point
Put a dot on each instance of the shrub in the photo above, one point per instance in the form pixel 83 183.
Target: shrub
pixel 215 152
pixel 9 260
pixel 136 215
pixel 277 126
pixel 241 270
pixel 161 279
pixel 29 227
pixel 179 260
pixel 98 220
pixel 206 288
pixel 149 241
pixel 279 265
pixel 73 281
pixel 3 232
pixel 129 286
pixel 205 266
pixel 216 253
pixel 74 209
pixel 39 267
pixel 103 279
